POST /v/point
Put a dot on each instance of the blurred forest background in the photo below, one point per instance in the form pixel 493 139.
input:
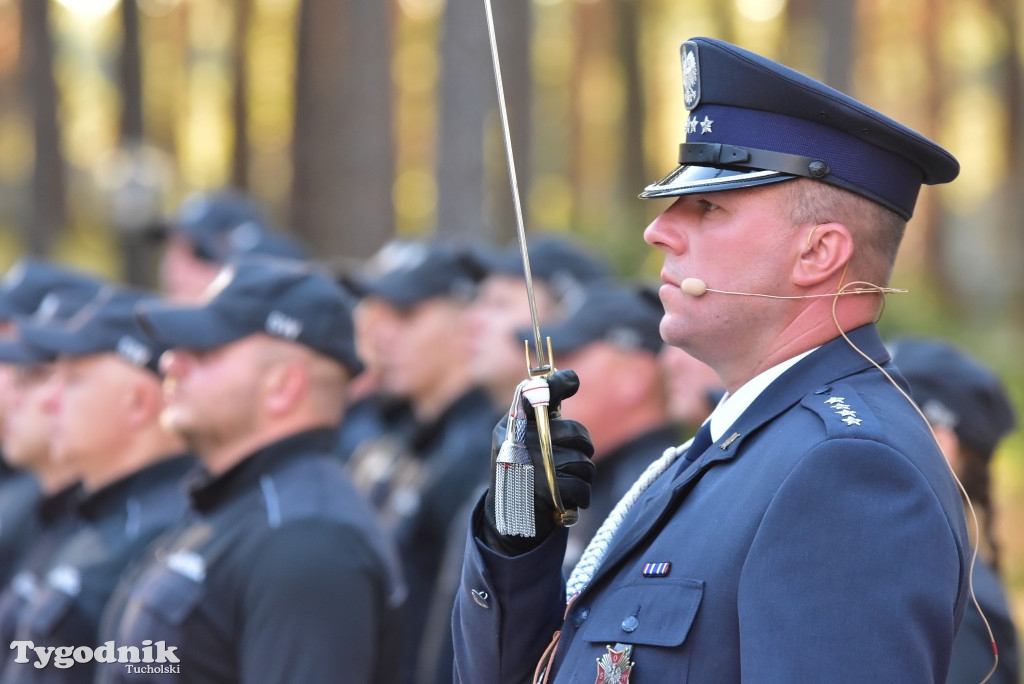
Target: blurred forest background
pixel 359 120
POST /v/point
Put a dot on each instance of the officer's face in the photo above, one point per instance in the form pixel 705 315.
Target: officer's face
pixel 418 347
pixel 27 425
pixel 496 357
pixel 739 240
pixel 91 402
pixel 183 275
pixel 212 397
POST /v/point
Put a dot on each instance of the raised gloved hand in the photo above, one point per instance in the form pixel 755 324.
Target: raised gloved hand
pixel 571 449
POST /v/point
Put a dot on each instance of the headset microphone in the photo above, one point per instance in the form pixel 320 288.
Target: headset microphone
pixel 695 287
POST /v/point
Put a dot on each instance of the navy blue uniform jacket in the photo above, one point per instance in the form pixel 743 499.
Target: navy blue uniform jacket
pixel 809 544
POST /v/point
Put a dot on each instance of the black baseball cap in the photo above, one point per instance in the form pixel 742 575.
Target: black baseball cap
pixel 284 298
pixel 955 390
pixel 227 223
pixel 624 315
pixel 27 283
pixel 405 273
pixel 107 323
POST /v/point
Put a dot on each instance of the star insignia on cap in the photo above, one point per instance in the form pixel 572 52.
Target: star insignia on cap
pixel 691 125
pixel 705 125
pixel 850 420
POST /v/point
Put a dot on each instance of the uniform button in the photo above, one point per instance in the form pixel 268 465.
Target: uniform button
pixel 630 624
pixel 581 616
pixel 481 598
pixel 823 390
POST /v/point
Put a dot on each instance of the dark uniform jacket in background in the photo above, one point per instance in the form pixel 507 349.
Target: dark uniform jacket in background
pixel 972 649
pixel 280 575
pixel 426 483
pixel 19 493
pixel 821 539
pixel 55 521
pixel 117 523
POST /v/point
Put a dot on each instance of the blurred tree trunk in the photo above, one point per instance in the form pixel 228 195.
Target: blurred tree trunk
pixel 821 38
pixel 45 213
pixel 343 149
pixel 467 94
pixel 928 213
pixel 240 96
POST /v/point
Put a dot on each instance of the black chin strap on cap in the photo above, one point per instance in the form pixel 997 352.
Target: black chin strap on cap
pixel 721 154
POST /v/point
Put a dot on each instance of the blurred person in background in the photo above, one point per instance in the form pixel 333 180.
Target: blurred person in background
pixel 692 386
pixel 208 229
pixel 419 483
pixel 27 426
pixel 105 400
pixel 970 413
pixel 44 290
pixel 611 339
pixel 280 573
pixel 560 267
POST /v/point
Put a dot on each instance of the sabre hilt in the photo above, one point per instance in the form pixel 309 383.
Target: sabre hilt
pixel 540 399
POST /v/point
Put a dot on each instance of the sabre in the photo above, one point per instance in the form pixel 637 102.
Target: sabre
pixel 544 360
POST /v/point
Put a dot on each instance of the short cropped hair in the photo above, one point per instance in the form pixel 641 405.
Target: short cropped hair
pixel 877 231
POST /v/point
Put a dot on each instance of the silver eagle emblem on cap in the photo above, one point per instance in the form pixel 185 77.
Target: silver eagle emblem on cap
pixel 691 75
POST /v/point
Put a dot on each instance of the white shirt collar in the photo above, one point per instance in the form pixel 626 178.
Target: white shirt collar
pixel 732 406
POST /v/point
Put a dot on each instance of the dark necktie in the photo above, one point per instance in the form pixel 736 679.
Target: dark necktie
pixel 701 441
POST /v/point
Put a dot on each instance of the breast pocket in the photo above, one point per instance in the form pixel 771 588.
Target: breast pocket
pixel 653 617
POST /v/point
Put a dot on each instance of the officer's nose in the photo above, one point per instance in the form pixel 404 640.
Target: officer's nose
pixel 175 362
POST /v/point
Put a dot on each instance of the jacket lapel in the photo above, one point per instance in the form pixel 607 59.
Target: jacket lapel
pixel 835 360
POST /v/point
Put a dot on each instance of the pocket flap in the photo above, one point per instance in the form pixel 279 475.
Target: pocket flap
pixel 653 612
pixel 168 594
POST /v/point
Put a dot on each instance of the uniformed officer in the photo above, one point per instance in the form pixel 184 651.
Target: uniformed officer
pixel 971 413
pixel 31 287
pixel 561 268
pixel 420 484
pixel 611 338
pixel 27 435
pixel 105 400
pixel 281 573
pixel 692 387
pixel 208 229
pixel 812 532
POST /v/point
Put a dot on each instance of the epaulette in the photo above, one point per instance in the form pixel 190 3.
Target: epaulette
pixel 843 412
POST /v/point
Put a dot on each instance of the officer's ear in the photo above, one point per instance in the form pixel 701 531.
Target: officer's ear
pixel 824 254
pixel 145 398
pixel 285 385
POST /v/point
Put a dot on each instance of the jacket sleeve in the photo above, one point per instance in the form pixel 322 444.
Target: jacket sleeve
pixel 507 609
pixel 855 573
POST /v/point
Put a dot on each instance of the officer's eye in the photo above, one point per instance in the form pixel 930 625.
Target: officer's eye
pixel 706 206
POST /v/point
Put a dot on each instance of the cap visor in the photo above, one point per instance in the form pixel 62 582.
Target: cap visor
pixel 56 340
pixel 690 179
pixel 19 352
pixel 188 327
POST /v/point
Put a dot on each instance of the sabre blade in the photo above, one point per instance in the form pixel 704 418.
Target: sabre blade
pixel 544 365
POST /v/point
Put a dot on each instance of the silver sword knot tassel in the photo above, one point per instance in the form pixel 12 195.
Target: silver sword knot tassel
pixel 513 477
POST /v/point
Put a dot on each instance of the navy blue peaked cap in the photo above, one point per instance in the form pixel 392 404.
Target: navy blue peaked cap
pixel 956 391
pixel 283 298
pixel 753 121
pixel 107 323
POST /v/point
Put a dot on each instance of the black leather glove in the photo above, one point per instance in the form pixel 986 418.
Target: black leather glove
pixel 571 450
